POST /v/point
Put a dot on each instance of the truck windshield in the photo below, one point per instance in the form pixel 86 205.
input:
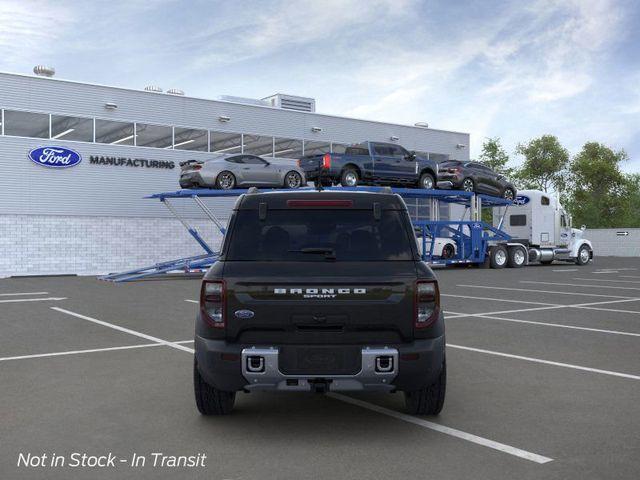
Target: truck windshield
pixel 319 235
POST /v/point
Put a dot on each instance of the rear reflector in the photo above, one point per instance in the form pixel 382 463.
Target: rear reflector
pixel 319 203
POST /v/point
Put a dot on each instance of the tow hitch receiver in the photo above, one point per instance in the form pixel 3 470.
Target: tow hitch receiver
pixel 319 385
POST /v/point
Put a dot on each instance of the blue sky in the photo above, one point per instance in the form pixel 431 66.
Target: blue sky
pixel 493 68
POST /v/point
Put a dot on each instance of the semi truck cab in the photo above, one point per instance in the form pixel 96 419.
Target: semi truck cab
pixel 538 221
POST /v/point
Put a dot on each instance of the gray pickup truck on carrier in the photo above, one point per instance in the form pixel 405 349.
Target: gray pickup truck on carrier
pixel 319 291
pixel 371 163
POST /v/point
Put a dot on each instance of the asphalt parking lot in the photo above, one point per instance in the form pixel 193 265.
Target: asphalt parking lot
pixel 544 382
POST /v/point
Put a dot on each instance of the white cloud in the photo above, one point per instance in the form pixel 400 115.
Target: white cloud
pixel 29 29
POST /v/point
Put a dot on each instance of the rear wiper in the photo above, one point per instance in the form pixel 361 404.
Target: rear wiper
pixel 329 253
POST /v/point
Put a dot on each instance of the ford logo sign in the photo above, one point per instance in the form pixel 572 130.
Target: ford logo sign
pixel 244 314
pixel 521 200
pixel 55 157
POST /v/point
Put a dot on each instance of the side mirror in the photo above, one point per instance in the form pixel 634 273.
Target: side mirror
pixel 583 228
pixel 411 156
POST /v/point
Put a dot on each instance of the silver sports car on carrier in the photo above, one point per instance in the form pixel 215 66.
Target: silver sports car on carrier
pixel 241 170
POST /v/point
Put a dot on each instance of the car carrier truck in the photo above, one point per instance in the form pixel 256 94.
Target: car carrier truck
pixel 540 231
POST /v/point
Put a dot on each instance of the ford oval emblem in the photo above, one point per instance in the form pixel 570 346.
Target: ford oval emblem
pixel 55 157
pixel 244 314
pixel 521 200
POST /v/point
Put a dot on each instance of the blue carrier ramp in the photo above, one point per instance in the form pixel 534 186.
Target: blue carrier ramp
pixel 472 237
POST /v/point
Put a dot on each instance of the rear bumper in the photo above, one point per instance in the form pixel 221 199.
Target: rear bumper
pixel 407 366
pixel 189 180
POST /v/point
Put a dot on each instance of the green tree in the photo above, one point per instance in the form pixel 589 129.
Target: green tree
pixel 495 157
pixel 600 195
pixel 545 164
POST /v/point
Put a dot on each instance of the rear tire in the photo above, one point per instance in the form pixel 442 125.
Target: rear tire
pixel 210 400
pixel 292 180
pixel 468 185
pixel 349 178
pixel 448 251
pixel 499 257
pixel 509 194
pixel 225 180
pixel 427 181
pixel 517 257
pixel 428 400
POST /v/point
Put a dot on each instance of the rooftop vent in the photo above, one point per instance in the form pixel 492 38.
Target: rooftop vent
pixel 175 91
pixel 153 88
pixel 44 71
pixel 291 102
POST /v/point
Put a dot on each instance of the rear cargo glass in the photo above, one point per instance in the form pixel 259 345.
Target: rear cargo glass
pixel 346 235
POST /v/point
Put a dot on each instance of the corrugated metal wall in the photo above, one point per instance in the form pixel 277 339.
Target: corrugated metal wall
pixel 103 190
pixel 614 242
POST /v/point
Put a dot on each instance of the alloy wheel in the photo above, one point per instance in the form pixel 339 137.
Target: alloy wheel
pixel 293 180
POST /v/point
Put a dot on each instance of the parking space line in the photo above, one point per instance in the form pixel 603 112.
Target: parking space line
pixel 191 301
pixel 580 285
pixel 546 291
pixel 19 300
pixel 605 280
pixel 588 306
pixel 497 299
pixel 90 350
pixel 469 437
pixel 546 324
pixel 125 330
pixel 26 293
pixel 546 362
pixel 566 270
pixel 629 276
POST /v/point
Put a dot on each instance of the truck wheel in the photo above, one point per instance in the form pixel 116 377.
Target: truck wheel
pixel 584 255
pixel 499 256
pixel 427 181
pixel 210 400
pixel 349 178
pixel 428 400
pixel 517 257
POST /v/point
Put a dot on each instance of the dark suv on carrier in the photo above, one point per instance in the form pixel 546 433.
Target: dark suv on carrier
pixel 319 291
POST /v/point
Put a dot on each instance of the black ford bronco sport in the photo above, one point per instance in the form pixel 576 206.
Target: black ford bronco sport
pixel 319 291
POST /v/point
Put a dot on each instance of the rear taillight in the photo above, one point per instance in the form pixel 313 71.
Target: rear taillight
pixel 299 162
pixel 427 303
pixel 212 302
pixel 196 167
pixel 326 160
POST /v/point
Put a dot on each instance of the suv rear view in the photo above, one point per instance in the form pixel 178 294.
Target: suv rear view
pixel 319 291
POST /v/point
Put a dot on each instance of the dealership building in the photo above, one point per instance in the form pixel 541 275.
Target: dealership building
pixel 92 218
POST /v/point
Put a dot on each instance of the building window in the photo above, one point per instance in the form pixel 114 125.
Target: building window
pixel 225 142
pixel 115 133
pixel 287 148
pixel 71 128
pixel 316 148
pixel 26 124
pixel 338 147
pixel 157 136
pixel 190 139
pixel 258 145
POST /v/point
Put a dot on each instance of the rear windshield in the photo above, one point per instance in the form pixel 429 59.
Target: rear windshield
pixel 320 235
